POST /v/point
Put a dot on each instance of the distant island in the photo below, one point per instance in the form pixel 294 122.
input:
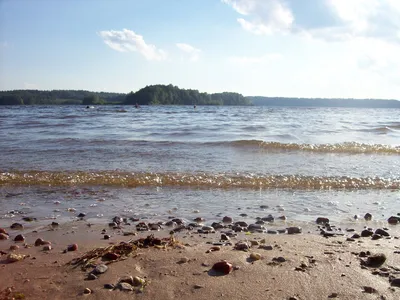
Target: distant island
pixel 173 95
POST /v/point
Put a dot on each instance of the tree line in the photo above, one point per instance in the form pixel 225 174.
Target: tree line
pixel 150 95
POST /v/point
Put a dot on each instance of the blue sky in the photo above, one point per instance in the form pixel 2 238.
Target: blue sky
pixel 297 48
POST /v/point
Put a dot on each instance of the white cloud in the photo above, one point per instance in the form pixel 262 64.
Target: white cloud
pixel 193 52
pixel 128 41
pixel 249 60
pixel 267 16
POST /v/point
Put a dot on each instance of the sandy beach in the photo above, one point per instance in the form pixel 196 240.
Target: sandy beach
pixel 289 266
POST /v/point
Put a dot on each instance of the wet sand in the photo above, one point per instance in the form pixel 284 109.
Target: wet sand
pixel 300 266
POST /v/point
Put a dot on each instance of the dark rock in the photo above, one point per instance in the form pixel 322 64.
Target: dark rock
pixel 279 259
pixel 268 218
pixel 265 247
pixel 87 291
pixel 243 215
pixel 382 232
pixel 106 237
pixel 376 236
pixel 54 224
pixel 216 225
pixel 263 206
pixel 72 247
pixel 294 230
pixel 81 215
pixel 199 220
pixel 241 224
pixel 260 222
pixel 28 219
pixel 117 220
pixel 368 217
pixel 178 221
pixel 255 227
pixel 224 237
pixel 375 260
pixel 17 226
pixel 3 236
pixel 223 267
pixel 242 246
pixel 227 219
pixel 19 238
pixel 395 282
pixel 109 286
pixel 272 232
pixel 369 290
pixel 322 220
pixel 350 229
pixel 355 236
pixel 91 276
pixel 393 220
pixel 366 233
pixel 110 256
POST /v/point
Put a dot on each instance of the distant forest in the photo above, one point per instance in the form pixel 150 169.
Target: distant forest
pixel 172 95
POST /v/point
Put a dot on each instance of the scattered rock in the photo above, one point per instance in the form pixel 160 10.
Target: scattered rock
pixel 183 260
pixel 227 219
pixel 81 215
pixel 110 256
pixel 223 267
pixel 333 295
pixel 294 230
pixel 279 259
pixel 13 257
pixel 138 281
pixel 268 218
pixel 91 276
pixel 28 219
pixel 322 220
pixel 39 242
pixel 265 247
pixel 17 226
pixel 242 246
pixel 375 260
pixel 255 256
pixel 100 269
pixel 123 286
pixel 368 217
pixel 376 237
pixel 72 247
pixel 366 233
pixel 395 282
pixel 87 291
pixel 19 238
pixel 3 236
pixel 54 224
pixel 14 247
pixel 47 248
pixel 197 286
pixel 106 237
pixel 109 286
pixel 369 290
pixel 224 237
pixel 393 220
pixel 382 232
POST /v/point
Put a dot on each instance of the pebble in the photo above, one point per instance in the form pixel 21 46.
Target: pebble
pixel 19 238
pixel 227 219
pixel 47 248
pixel 81 215
pixel 123 286
pixel 268 218
pixel 17 226
pixel 39 242
pixel 183 260
pixel 375 260
pixel 369 290
pixel 255 256
pixel 12 257
pixel 382 232
pixel 100 269
pixel 224 237
pixel 242 246
pixel 294 230
pixel 366 233
pixel 3 236
pixel 322 220
pixel 72 247
pixel 368 217
pixel 394 220
pixel 110 256
pixel 223 267
pixel 279 259
pixel 14 247
pixel 106 237
pixel 138 281
pixel 87 291
pixel 395 282
pixel 91 276
pixel 109 286
pixel 197 286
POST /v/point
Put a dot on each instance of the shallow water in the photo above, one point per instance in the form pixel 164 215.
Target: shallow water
pixel 172 160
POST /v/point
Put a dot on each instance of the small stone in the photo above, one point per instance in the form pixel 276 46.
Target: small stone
pixel 197 286
pixel 263 206
pixel 322 220
pixel 223 267
pixel 87 291
pixel 39 242
pixel 81 215
pixel 254 243
pixel 366 233
pixel 183 260
pixel 376 237
pixel 268 218
pixel 375 260
pixel 395 282
pixel 265 247
pixel 91 276
pixel 279 259
pixel 126 279
pixel 54 224
pixel 282 218
pixel 255 256
pixel 368 217
pixel 242 246
pixel 227 219
pixel 17 226
pixel 3 236
pixel 19 238
pixel 294 230
pixel 199 220
pixel 72 247
pixel 393 220
pixel 138 281
pixel 12 257
pixel 355 236
pixel 100 269
pixel 333 295
pixel 47 248
pixel 106 237
pixel 14 247
pixel 109 286
pixel 382 232
pixel 369 290
pixel 224 237
pixel 123 286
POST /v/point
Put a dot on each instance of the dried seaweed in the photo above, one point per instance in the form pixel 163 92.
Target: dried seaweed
pixel 123 250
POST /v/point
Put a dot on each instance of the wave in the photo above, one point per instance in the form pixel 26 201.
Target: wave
pixel 196 180
pixel 346 147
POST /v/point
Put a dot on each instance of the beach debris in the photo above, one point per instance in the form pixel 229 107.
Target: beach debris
pixel 19 238
pixel 368 217
pixel 222 267
pixel 294 230
pixel 72 247
pixel 124 250
pixel 87 291
pixel 17 226
pixel 13 257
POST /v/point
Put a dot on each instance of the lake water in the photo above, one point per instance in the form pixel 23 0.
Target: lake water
pixel 160 161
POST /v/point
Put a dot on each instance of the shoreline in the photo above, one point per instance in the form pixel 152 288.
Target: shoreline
pixel 301 266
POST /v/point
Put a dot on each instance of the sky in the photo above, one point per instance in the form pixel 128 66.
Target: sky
pixel 288 48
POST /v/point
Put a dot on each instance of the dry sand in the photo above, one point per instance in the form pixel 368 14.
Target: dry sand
pixel 314 268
